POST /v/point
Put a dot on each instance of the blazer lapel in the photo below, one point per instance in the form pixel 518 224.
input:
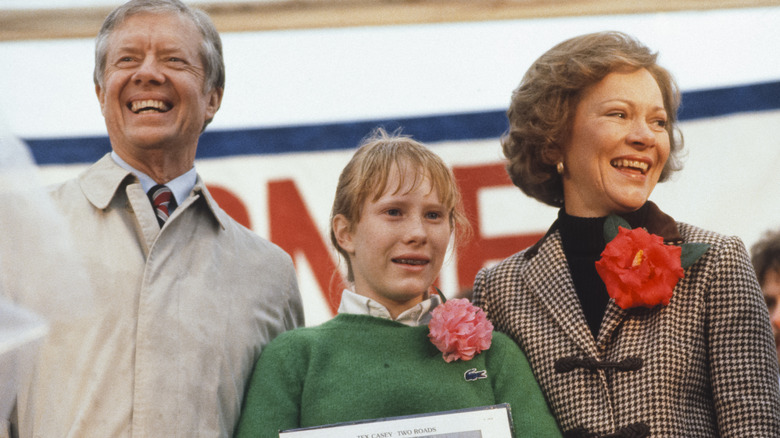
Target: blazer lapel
pixel 656 222
pixel 613 316
pixel 550 281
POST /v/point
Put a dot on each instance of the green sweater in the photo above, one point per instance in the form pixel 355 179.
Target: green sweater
pixel 357 367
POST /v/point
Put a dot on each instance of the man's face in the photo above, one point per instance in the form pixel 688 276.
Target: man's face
pixel 771 290
pixel 153 92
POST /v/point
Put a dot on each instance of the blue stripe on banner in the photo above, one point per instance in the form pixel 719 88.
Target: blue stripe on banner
pixel 429 129
pixel 723 101
pixel 312 138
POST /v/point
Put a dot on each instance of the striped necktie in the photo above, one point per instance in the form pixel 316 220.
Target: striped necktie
pixel 163 202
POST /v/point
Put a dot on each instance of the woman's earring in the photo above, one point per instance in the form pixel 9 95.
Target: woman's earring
pixel 559 167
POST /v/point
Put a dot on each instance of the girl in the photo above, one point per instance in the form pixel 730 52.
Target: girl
pixel 395 210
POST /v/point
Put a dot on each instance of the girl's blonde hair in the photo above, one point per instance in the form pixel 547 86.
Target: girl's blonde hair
pixel 367 174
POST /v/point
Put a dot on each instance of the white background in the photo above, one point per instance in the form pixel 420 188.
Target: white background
pixel 730 182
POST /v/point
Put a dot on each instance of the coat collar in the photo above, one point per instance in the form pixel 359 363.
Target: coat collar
pixel 102 181
pixel 554 286
pixel 649 216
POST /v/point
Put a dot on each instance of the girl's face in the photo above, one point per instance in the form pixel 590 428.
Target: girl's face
pixel 618 146
pixel 397 248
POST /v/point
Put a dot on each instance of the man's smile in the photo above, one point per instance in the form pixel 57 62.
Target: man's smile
pixel 149 105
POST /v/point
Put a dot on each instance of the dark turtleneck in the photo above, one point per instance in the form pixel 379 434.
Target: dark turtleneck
pixel 583 242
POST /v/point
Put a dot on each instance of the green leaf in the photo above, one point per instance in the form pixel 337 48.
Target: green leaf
pixel 691 252
pixel 611 226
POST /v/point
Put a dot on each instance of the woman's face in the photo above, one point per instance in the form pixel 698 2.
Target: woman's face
pixel 618 146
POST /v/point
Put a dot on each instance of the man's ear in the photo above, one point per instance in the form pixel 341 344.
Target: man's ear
pixel 342 229
pixel 214 102
pixel 100 95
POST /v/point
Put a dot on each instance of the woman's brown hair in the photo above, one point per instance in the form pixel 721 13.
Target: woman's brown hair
pixel 543 105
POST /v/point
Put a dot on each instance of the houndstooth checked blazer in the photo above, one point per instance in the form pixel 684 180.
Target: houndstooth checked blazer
pixel 703 366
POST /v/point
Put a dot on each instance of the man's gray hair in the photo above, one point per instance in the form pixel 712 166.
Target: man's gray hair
pixel 210 51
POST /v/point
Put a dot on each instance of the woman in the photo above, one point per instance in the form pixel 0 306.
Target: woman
pixel 592 130
pixel 386 354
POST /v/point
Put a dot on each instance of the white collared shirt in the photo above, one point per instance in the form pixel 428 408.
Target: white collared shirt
pixel 181 186
pixel 419 314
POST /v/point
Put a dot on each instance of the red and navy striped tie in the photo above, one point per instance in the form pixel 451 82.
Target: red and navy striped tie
pixel 163 202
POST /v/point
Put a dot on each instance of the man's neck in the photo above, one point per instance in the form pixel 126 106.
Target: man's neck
pixel 160 165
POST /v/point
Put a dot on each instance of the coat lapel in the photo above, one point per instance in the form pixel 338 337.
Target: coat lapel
pixel 613 316
pixel 550 281
pixel 656 222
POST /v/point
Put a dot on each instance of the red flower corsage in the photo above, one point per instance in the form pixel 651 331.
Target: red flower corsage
pixel 460 330
pixel 638 269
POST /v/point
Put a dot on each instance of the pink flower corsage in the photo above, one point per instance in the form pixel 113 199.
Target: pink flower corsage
pixel 460 330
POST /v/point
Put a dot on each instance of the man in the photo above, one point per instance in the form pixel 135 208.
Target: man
pixel 765 255
pixel 185 297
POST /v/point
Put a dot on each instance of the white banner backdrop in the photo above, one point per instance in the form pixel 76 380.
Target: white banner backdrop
pixel 289 78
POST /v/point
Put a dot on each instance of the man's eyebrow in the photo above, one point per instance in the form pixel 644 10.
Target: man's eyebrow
pixel 125 49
